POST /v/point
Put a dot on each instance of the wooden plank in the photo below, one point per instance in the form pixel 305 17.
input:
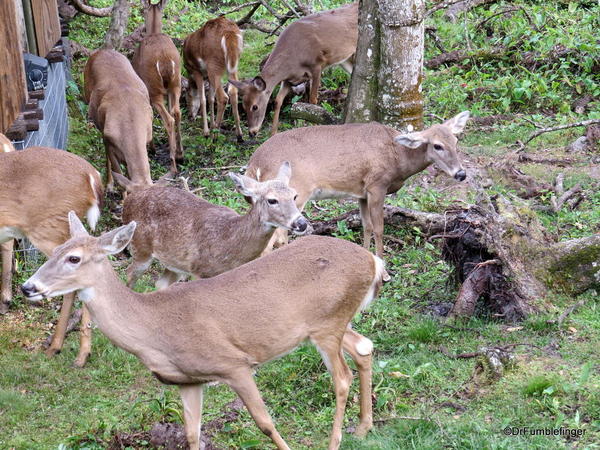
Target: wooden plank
pixel 13 91
pixel 47 24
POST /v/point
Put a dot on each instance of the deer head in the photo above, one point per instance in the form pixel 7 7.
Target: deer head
pixel 255 97
pixel 441 145
pixel 73 265
pixel 274 199
pixel 153 15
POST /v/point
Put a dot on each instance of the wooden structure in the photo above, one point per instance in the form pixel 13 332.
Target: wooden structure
pixel 27 26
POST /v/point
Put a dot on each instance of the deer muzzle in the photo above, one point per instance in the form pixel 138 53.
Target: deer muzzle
pixel 300 226
pixel 460 175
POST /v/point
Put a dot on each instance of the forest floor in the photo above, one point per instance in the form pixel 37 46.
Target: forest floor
pixel 423 397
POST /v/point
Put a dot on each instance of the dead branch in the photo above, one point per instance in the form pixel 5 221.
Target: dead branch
pixel 240 7
pixel 583 123
pixel 445 352
pixel 246 19
pixel 312 113
pixel 90 10
pixel 558 199
pixel 441 5
pixel 527 158
pixel 432 33
pixel 472 288
pixel 565 313
pixel 466 5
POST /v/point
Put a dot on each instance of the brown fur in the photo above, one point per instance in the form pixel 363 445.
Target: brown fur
pixel 222 328
pixel 204 58
pixel 362 161
pixel 164 82
pixel 38 188
pixel 120 108
pixel 304 49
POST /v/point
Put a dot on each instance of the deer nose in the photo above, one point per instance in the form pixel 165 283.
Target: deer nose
pixel 300 225
pixel 252 134
pixel 460 175
pixel 28 289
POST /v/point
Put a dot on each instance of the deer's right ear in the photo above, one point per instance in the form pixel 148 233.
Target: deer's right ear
pixel 245 185
pixel 411 140
pixel 285 172
pixel 116 240
pixel 241 85
pixel 75 226
pixel 259 83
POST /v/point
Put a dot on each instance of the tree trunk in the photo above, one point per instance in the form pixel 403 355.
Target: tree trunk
pixel 386 83
pixel 118 24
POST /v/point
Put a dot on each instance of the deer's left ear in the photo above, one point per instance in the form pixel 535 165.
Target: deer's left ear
pixel 116 240
pixel 458 122
pixel 285 172
pixel 245 185
pixel 411 140
pixel 75 226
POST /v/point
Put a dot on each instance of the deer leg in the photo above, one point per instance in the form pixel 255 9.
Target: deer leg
pixel 200 85
pixel 243 384
pixel 136 269
pixel 110 184
pixel 331 352
pixel 211 103
pixel 360 350
pixel 283 91
pixel 193 98
pixel 191 397
pixel 175 111
pixel 7 267
pixel 60 331
pixel 167 279
pixel 375 200
pixel 315 83
pixel 233 97
pixel 222 100
pixel 159 105
pixel 85 338
pixel 366 222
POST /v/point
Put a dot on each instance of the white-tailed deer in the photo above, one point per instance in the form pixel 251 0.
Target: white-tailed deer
pixel 222 328
pixel 304 49
pixel 157 62
pixel 362 161
pixel 189 235
pixel 120 108
pixel 207 54
pixel 38 187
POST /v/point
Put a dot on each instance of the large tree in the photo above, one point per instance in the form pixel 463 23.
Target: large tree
pixel 388 71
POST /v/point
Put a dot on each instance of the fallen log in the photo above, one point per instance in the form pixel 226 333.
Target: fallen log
pixel 313 114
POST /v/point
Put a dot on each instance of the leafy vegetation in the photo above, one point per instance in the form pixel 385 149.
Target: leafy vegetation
pixel 422 398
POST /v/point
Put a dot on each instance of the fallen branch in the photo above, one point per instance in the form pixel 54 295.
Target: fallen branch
pixel 583 123
pixel 312 113
pixel 472 288
pixel 560 196
pixel 90 10
pixel 565 313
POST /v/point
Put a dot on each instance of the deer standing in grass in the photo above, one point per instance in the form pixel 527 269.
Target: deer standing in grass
pixel 361 161
pixel 304 49
pixel 157 62
pixel 222 328
pixel 38 187
pixel 120 108
pixel 207 54
pixel 189 235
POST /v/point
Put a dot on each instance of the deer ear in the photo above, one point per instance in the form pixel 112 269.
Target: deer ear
pixel 245 185
pixel 411 140
pixel 241 85
pixel 116 240
pixel 458 122
pixel 285 172
pixel 259 83
pixel 75 226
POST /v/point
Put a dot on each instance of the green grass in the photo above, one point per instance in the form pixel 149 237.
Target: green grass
pixel 422 398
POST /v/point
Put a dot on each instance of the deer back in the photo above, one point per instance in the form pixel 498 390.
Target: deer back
pixel 39 186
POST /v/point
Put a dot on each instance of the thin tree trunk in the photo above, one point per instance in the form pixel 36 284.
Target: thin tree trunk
pixel 118 23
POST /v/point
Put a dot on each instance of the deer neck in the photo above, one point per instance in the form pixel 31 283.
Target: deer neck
pixel 275 70
pixel 154 22
pixel 253 232
pixel 413 161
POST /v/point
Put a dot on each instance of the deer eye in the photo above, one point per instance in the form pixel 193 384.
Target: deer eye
pixel 272 201
pixel 74 259
pixel 295 197
pixel 254 107
pixel 438 147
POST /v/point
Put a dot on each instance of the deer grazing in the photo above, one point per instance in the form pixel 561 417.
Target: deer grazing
pixel 157 62
pixel 207 54
pixel 362 161
pixel 304 49
pixel 120 108
pixel 189 235
pixel 38 187
pixel 222 328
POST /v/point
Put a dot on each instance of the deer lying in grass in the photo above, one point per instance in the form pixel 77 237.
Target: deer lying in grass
pixel 120 108
pixel 362 161
pixel 304 49
pixel 208 53
pixel 38 187
pixel 157 62
pixel 222 328
pixel 189 235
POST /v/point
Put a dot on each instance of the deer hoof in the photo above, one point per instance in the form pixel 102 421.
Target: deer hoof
pixel 362 429
pixel 80 360
pixel 52 351
pixel 240 139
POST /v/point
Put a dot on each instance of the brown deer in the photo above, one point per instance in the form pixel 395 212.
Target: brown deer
pixel 157 62
pixel 38 187
pixel 362 161
pixel 222 328
pixel 120 108
pixel 6 248
pixel 303 51
pixel 189 235
pixel 207 54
